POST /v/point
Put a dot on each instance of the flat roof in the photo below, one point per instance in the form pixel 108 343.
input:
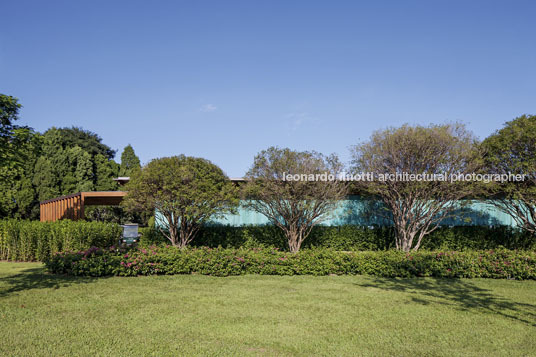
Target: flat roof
pixel 94 197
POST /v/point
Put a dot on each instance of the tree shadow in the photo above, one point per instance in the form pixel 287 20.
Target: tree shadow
pixel 459 294
pixel 38 278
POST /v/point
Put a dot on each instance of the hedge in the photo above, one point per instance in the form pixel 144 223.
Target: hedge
pixel 504 264
pixel 33 240
pixel 354 238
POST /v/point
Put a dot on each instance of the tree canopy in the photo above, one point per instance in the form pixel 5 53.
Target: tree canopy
pixel 512 149
pixel 293 206
pixel 129 161
pixel 185 191
pixel 35 167
pixel 416 208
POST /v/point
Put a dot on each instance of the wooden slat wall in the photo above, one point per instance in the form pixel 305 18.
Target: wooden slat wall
pixel 69 207
pixel 72 206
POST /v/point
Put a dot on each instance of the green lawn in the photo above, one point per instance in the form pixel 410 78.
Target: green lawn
pixel 42 314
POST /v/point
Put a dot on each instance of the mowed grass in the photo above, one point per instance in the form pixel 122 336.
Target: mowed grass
pixel 43 314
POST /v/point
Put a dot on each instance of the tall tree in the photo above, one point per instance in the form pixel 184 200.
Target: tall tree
pixel 78 161
pixel 90 142
pixel 512 150
pixel 105 171
pixel 129 161
pixel 17 194
pixel 416 208
pixel 19 149
pixel 185 191
pixel 9 113
pixel 45 180
pixel 295 206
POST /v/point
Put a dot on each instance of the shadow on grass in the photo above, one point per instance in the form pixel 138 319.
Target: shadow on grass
pixel 459 294
pixel 38 278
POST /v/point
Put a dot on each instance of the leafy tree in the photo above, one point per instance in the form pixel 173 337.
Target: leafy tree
pixel 129 161
pixel 19 149
pixel 9 113
pixel 45 180
pixel 293 206
pixel 18 196
pixel 90 142
pixel 185 191
pixel 73 160
pixel 416 208
pixel 81 161
pixel 35 167
pixel 512 150
pixel 105 170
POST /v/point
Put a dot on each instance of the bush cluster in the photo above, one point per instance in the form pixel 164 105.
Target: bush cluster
pixel 351 237
pixel 505 264
pixel 33 240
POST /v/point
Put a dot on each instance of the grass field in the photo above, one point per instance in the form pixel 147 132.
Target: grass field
pixel 42 314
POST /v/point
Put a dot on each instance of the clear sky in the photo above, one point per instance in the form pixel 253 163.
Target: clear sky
pixel 225 79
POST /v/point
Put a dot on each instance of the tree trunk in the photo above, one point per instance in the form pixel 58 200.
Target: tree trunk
pixel 294 240
pixel 404 240
pixel 173 235
pixel 185 233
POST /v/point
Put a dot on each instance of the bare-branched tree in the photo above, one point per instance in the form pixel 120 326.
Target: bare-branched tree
pixel 416 205
pixel 295 204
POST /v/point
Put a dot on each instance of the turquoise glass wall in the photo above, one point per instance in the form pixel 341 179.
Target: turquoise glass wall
pixel 355 210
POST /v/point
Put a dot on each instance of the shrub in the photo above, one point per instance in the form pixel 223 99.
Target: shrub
pixel 505 264
pixel 33 240
pixel 350 237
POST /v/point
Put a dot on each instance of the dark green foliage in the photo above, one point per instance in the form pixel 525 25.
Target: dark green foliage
pixel 500 264
pixel 18 197
pixel 35 167
pixel 9 113
pixel 89 142
pixel 186 191
pixel 105 170
pixel 19 149
pixel 32 240
pixel 355 238
pixel 129 161
pixel 73 160
pixel 513 150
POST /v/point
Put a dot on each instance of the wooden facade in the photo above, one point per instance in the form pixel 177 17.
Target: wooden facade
pixel 72 206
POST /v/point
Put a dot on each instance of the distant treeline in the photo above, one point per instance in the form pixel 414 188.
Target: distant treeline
pixel 38 166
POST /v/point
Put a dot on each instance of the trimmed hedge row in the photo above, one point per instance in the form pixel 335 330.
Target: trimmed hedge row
pixel 354 238
pixel 34 240
pixel 503 264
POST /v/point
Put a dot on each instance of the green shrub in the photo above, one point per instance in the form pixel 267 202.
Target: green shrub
pixel 504 264
pixel 354 238
pixel 33 240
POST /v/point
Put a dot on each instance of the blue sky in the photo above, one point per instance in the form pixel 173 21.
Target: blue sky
pixel 226 79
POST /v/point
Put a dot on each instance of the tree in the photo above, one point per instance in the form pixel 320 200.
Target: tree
pixel 73 160
pixel 129 161
pixel 294 206
pixel 19 149
pixel 90 142
pixel 9 113
pixel 512 150
pixel 45 179
pixel 13 138
pixel 17 194
pixel 416 208
pixel 185 191
pixel 105 171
